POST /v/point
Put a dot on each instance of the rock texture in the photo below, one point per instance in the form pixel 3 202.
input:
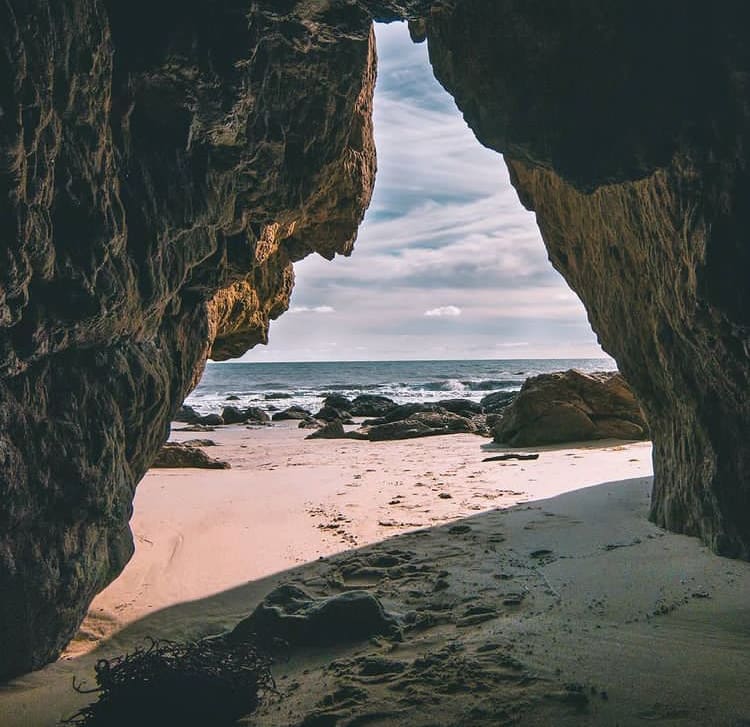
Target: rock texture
pixel 161 167
pixel 571 407
pixel 638 187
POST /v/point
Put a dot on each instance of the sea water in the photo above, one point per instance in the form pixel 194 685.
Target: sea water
pixel 279 385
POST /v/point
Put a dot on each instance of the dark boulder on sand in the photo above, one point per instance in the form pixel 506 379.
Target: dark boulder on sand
pixel 187 415
pixel 464 407
pixel 292 413
pixel 371 405
pixel 421 424
pixel 173 454
pixel 331 414
pixel 210 420
pixel 292 616
pixel 338 401
pixel 331 430
pixel 233 415
pixel 571 406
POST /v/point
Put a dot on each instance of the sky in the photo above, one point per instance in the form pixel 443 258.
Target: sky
pixel 447 264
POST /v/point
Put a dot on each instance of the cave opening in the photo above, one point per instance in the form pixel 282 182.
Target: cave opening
pixel 461 589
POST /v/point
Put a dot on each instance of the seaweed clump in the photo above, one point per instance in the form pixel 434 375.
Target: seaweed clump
pixel 169 683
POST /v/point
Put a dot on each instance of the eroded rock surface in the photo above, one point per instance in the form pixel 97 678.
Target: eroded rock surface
pixel 161 166
pixel 571 406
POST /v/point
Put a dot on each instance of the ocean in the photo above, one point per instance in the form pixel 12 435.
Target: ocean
pixel 279 385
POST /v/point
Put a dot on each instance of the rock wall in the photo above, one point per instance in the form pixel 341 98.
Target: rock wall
pixel 625 127
pixel 161 166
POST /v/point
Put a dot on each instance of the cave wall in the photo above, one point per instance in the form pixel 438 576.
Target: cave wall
pixel 158 180
pixel 625 128
pixel 162 165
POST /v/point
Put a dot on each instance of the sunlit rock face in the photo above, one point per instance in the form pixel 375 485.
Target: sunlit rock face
pixel 626 129
pixel 161 166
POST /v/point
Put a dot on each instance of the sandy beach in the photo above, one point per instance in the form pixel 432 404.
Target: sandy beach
pixel 541 592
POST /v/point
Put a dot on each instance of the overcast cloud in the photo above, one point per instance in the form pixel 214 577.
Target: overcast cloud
pixel 447 264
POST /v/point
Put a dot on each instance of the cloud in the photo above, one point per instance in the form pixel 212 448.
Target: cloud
pixel 443 311
pixel 311 309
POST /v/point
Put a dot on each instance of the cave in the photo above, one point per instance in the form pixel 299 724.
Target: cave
pixel 160 179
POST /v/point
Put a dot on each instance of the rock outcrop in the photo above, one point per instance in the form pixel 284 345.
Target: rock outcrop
pixel 571 407
pixel 638 187
pixel 164 164
pixel 161 167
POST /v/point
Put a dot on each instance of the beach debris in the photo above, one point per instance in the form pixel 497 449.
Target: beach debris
pixel 505 457
pixel 211 681
pixel 292 616
pixel 174 454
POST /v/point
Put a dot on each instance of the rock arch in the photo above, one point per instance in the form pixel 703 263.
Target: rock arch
pixel 164 165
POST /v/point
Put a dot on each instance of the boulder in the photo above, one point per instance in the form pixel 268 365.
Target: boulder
pixel 210 420
pixel 571 407
pixel 330 414
pixel 291 615
pixel 498 401
pixel 338 401
pixel 233 415
pixel 371 405
pixel 293 412
pixel 232 397
pixel 421 424
pixel 464 407
pixel 331 430
pixel 404 411
pixel 187 414
pixel 173 454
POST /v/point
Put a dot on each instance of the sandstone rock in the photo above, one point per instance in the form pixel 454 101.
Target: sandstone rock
pixel 173 454
pixel 290 615
pixel 153 200
pixel 371 405
pixel 571 407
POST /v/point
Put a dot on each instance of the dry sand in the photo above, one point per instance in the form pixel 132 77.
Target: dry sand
pixel 570 610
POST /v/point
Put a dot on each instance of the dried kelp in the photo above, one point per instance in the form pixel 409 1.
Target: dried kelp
pixel 196 683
